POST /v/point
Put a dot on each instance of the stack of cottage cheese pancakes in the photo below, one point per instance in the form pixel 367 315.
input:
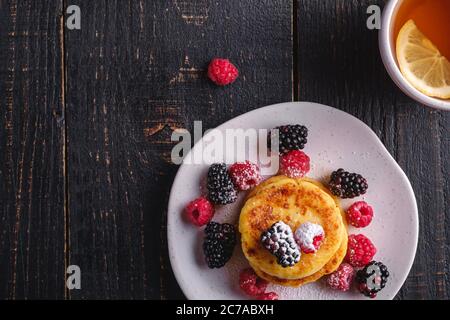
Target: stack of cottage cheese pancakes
pixel 294 207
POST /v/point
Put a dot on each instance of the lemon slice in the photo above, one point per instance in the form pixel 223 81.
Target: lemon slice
pixel 421 62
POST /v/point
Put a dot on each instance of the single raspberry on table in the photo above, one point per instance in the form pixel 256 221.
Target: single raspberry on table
pixel 342 278
pixel 294 164
pixel 245 175
pixel 360 250
pixel 268 296
pixel 222 71
pixel 199 212
pixel 251 284
pixel 360 214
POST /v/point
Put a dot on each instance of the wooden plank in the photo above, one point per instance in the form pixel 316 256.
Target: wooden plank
pixel 136 72
pixel 32 221
pixel 339 65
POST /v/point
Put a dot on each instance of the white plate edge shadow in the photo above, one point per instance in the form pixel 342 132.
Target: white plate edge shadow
pixel 177 270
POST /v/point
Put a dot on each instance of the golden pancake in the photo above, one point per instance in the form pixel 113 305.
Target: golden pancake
pixel 293 202
pixel 279 180
pixel 271 183
pixel 329 267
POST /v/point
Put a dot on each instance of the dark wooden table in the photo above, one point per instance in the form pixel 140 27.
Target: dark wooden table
pixel 86 118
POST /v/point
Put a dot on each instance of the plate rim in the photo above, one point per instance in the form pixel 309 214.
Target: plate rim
pixel 177 271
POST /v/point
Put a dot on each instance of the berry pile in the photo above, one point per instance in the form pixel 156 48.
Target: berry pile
pixel 372 279
pixel 360 250
pixel 220 239
pixel 290 137
pixel 373 276
pixel 220 186
pixel 279 240
pixel 219 243
pixel 347 185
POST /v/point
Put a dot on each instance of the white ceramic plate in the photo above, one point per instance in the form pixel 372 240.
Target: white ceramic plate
pixel 336 139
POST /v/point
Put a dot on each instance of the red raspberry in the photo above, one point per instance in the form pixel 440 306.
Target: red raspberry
pixel 317 241
pixel 245 175
pixel 251 284
pixel 294 164
pixel 360 214
pixel 360 250
pixel 199 211
pixel 222 71
pixel 342 278
pixel 268 296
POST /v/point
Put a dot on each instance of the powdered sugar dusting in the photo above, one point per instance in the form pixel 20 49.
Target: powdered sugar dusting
pixel 295 164
pixel 305 234
pixel 342 278
pixel 245 175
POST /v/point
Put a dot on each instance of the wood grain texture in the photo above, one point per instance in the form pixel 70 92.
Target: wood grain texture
pixel 86 119
pixel 339 65
pixel 32 220
pixel 135 73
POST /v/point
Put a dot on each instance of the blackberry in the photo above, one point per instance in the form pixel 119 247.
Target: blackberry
pixel 347 185
pixel 220 186
pixel 372 279
pixel 279 240
pixel 219 243
pixel 291 137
